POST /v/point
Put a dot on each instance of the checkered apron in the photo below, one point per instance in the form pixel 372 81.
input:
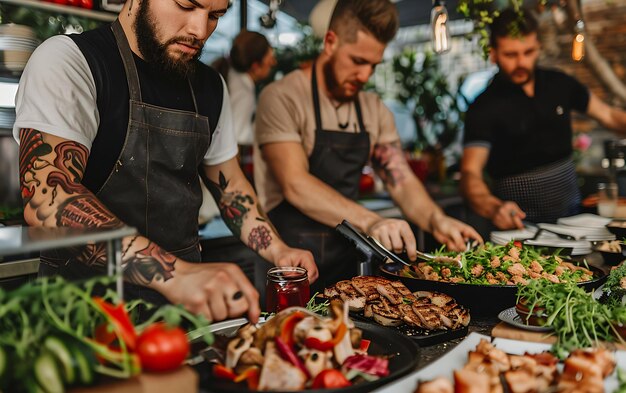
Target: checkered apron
pixel 545 193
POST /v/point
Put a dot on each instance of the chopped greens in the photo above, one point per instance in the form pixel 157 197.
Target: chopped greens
pixel 498 265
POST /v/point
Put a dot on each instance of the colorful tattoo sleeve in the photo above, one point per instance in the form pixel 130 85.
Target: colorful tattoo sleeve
pixel 389 161
pixel 234 205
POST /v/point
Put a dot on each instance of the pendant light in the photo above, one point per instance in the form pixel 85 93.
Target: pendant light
pixel 439 27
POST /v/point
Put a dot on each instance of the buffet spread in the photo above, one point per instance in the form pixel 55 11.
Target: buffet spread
pixel 562 329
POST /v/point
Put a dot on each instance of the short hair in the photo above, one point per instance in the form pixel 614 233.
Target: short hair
pixel 377 17
pixel 249 47
pixel 512 23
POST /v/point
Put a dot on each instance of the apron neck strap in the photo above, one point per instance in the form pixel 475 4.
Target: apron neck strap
pixel 132 77
pixel 316 103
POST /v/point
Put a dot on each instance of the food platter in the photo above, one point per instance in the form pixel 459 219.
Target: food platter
pixel 404 355
pixel 480 299
pixel 456 358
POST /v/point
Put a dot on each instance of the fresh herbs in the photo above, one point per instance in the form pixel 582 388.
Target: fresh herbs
pixel 614 290
pixel 579 321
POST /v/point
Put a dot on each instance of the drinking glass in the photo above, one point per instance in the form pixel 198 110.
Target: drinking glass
pixel 607 199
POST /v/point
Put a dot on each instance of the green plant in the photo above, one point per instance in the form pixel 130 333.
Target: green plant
pixel 45 23
pixel 425 90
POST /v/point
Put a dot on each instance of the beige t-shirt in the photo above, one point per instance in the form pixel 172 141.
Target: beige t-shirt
pixel 285 114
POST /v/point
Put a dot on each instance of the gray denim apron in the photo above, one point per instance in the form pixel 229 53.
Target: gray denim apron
pixel 337 159
pixel 545 193
pixel 154 185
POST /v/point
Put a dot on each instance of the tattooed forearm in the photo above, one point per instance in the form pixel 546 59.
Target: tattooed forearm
pixel 149 264
pixel 32 148
pixel 260 238
pixel 85 211
pixel 234 206
pixel 390 163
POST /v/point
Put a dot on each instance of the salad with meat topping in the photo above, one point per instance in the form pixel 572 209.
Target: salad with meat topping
pixel 298 349
pixel 490 264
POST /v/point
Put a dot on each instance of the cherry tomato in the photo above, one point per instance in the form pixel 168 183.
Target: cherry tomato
pixel 86 4
pixel 330 379
pixel 104 334
pixel 161 348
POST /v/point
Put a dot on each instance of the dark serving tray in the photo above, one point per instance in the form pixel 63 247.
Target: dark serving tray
pixel 480 299
pixel 402 351
pixel 422 337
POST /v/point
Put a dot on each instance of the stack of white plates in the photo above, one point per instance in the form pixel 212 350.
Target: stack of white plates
pixel 17 43
pixel 592 234
pixel 585 220
pixel 552 240
pixel 503 237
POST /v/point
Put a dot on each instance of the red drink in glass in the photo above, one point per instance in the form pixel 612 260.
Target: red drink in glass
pixel 286 287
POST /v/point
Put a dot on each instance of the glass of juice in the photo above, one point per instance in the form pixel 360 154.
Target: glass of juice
pixel 286 287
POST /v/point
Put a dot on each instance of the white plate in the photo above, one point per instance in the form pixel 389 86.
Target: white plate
pixel 456 359
pixel 586 220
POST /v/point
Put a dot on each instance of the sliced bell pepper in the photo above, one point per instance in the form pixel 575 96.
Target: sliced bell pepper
pixel 365 345
pixel 223 372
pixel 120 320
pixel 289 355
pixel 287 326
pixel 315 343
pixel 251 376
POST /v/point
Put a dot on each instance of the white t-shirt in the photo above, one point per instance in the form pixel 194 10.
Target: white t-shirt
pixel 57 95
pixel 243 104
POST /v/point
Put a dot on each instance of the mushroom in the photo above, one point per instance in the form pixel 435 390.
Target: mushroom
pixel 315 361
pixel 311 327
pixel 236 347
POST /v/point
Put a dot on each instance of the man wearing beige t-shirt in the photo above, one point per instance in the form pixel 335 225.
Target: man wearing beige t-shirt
pixel 316 130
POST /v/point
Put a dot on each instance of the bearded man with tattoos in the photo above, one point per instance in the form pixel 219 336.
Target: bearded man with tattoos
pixel 316 130
pixel 115 126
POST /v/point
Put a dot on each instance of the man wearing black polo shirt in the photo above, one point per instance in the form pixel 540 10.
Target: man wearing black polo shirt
pixel 520 131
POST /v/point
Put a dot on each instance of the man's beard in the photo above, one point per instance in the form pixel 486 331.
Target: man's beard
pixel 530 76
pixel 155 53
pixel 332 84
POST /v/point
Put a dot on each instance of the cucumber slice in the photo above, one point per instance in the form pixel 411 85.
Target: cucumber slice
pixel 83 362
pixel 47 373
pixel 63 353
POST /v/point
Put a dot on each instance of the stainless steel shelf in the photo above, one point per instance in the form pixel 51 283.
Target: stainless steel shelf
pixel 19 239
pixel 64 9
pixel 19 268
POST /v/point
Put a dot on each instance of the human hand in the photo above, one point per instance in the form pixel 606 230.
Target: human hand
pixel 215 290
pixel 395 235
pixel 509 216
pixel 287 256
pixel 452 232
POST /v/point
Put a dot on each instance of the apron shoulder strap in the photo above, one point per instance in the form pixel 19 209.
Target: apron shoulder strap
pixel 132 77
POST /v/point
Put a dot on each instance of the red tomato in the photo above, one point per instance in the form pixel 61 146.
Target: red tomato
pixel 86 4
pixel 366 184
pixel 73 3
pixel 161 348
pixel 104 334
pixel 330 379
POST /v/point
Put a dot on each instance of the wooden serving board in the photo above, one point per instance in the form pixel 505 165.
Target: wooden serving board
pixel 504 330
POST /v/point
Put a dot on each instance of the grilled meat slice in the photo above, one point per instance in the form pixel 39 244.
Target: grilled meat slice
pixel 409 316
pixel 331 292
pixel 404 291
pixel 350 296
pixel 390 293
pixel 437 385
pixel 366 285
pixel 429 315
pixel 387 314
pixel 468 381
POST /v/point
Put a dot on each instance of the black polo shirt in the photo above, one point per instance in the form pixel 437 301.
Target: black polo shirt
pixel 525 132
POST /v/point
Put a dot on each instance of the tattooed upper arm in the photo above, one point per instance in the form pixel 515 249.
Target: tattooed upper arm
pixel 390 164
pixel 51 170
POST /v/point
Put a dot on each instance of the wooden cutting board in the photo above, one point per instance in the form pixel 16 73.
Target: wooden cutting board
pixel 504 330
